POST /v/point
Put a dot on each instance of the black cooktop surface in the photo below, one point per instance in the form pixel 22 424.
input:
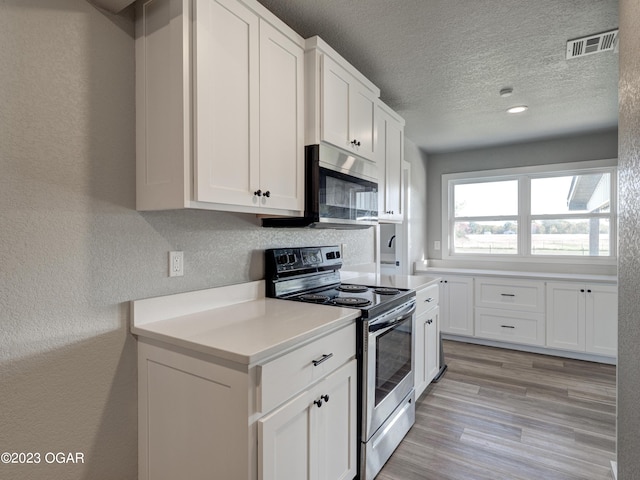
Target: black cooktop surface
pixel 312 274
pixel 363 297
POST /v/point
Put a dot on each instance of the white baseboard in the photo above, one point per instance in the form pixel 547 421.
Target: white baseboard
pixel 614 469
pixel 589 357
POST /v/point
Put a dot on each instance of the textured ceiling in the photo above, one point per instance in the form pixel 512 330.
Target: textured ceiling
pixel 441 64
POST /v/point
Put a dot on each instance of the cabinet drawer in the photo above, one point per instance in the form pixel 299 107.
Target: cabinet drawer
pixel 283 377
pixel 522 295
pixel 427 298
pixel 514 327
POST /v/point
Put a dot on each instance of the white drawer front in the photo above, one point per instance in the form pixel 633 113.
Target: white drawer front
pixel 525 296
pixel 514 327
pixel 283 377
pixel 427 298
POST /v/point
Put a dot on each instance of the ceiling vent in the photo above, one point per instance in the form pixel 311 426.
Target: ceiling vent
pixel 601 42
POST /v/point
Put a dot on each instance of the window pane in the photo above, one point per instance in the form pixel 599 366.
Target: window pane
pixel 586 237
pixel 571 194
pixel 486 199
pixel 486 237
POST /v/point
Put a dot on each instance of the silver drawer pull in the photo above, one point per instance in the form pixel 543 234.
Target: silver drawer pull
pixel 428 300
pixel 507 294
pixel 323 358
pixel 507 326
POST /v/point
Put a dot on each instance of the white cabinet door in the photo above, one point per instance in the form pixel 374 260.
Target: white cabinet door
pixel 285 441
pixel 393 169
pixel 583 317
pixel 602 320
pixel 427 349
pixel 362 129
pixel 432 344
pixel 281 120
pixel 313 436
pixel 456 301
pixel 336 424
pixel 389 153
pixel 565 316
pixel 226 97
pixel 335 104
pixel 348 111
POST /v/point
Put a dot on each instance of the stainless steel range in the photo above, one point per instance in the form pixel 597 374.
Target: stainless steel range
pixel 385 342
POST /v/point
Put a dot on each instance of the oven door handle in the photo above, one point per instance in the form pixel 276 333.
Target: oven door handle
pixel 393 320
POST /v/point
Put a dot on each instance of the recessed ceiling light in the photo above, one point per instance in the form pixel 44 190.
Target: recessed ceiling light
pixel 518 109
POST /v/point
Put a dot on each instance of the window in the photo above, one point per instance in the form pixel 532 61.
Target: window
pixel 486 217
pixel 570 215
pixel 531 212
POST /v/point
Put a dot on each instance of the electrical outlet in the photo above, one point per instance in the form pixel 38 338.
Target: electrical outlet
pixel 176 264
pixel 436 245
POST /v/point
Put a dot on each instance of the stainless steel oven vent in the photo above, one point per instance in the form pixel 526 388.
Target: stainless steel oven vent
pixel 601 42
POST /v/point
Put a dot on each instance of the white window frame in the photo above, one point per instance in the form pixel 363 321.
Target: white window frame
pixel 524 175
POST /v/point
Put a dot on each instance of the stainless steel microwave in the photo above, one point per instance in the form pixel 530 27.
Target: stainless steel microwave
pixel 341 191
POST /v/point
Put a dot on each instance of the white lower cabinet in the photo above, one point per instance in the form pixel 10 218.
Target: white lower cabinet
pixel 313 435
pixel 510 326
pixel 510 310
pixel 456 305
pixel 427 334
pixel 582 318
pixel 291 417
pixel 577 317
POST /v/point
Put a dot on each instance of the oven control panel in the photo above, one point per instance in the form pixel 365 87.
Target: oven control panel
pixel 299 259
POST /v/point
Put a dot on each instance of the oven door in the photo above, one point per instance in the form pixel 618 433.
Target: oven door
pixel 387 371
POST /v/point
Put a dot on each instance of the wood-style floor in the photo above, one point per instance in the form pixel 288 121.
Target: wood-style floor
pixel 503 414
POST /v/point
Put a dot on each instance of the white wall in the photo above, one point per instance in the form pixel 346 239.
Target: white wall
pixel 73 249
pixel 417 218
pixel 593 146
pixel 629 245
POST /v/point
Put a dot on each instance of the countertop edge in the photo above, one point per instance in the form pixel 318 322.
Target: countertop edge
pixel 337 317
pixel 518 274
pixel 252 359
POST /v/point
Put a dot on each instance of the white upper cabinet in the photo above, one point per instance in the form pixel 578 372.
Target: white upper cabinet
pixel 390 154
pixel 220 108
pixel 281 119
pixel 341 102
pixel 226 153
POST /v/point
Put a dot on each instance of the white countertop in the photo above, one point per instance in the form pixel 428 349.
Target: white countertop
pixel 414 282
pixel 247 331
